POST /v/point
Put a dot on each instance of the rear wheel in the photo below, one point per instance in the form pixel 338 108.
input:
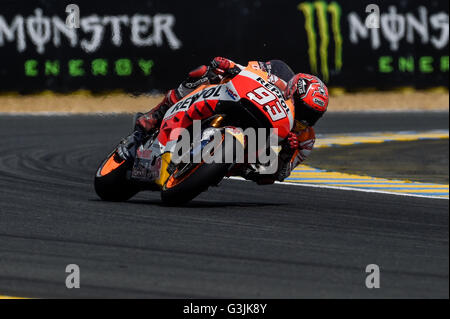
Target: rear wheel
pixel 110 181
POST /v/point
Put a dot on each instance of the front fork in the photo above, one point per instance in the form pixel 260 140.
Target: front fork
pixel 168 168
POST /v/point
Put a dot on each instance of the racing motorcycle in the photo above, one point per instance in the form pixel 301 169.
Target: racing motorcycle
pixel 246 100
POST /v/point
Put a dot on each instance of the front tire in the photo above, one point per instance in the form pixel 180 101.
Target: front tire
pixel 180 190
pixel 198 181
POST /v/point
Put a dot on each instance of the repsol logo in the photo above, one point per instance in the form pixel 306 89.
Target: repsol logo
pixel 276 91
pixel 185 104
pixel 272 88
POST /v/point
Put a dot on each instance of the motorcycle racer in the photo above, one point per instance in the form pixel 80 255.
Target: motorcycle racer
pixel 308 93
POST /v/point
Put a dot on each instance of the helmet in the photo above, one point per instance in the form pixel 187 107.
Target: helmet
pixel 310 96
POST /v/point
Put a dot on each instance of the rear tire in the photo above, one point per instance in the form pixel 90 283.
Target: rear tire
pixel 114 186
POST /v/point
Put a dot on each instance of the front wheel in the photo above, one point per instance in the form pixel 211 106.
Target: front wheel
pixel 110 181
pixel 178 191
pixel 187 182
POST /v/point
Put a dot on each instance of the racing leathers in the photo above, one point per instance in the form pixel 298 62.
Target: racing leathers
pixel 294 149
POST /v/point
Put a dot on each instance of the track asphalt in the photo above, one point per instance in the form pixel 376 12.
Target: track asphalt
pixel 237 240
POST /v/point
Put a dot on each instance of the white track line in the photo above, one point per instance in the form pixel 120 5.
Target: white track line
pixel 238 178
pixel 347 189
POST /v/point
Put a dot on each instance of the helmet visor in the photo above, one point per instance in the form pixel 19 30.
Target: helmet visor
pixel 306 114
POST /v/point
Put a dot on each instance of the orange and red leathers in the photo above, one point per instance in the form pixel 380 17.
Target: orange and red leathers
pixel 151 119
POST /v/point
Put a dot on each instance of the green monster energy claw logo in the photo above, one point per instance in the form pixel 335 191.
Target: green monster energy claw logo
pixel 322 9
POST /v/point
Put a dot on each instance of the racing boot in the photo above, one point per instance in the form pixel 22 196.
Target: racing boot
pixel 128 146
pixel 151 120
pixel 146 124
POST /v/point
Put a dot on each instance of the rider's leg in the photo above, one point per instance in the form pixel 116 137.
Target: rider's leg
pixel 287 159
pixel 145 125
pixel 150 121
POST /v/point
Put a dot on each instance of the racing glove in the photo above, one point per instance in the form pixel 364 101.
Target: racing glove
pixel 292 141
pixel 218 68
pixel 224 67
pixel 195 78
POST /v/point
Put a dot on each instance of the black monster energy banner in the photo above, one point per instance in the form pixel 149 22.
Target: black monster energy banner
pixel 393 43
pixel 150 45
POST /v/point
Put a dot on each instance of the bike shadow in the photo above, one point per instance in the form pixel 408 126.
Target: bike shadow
pixel 205 204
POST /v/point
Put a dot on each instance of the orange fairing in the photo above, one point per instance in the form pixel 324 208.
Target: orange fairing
pixel 253 66
pixel 291 107
pixel 253 85
pixel 110 165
